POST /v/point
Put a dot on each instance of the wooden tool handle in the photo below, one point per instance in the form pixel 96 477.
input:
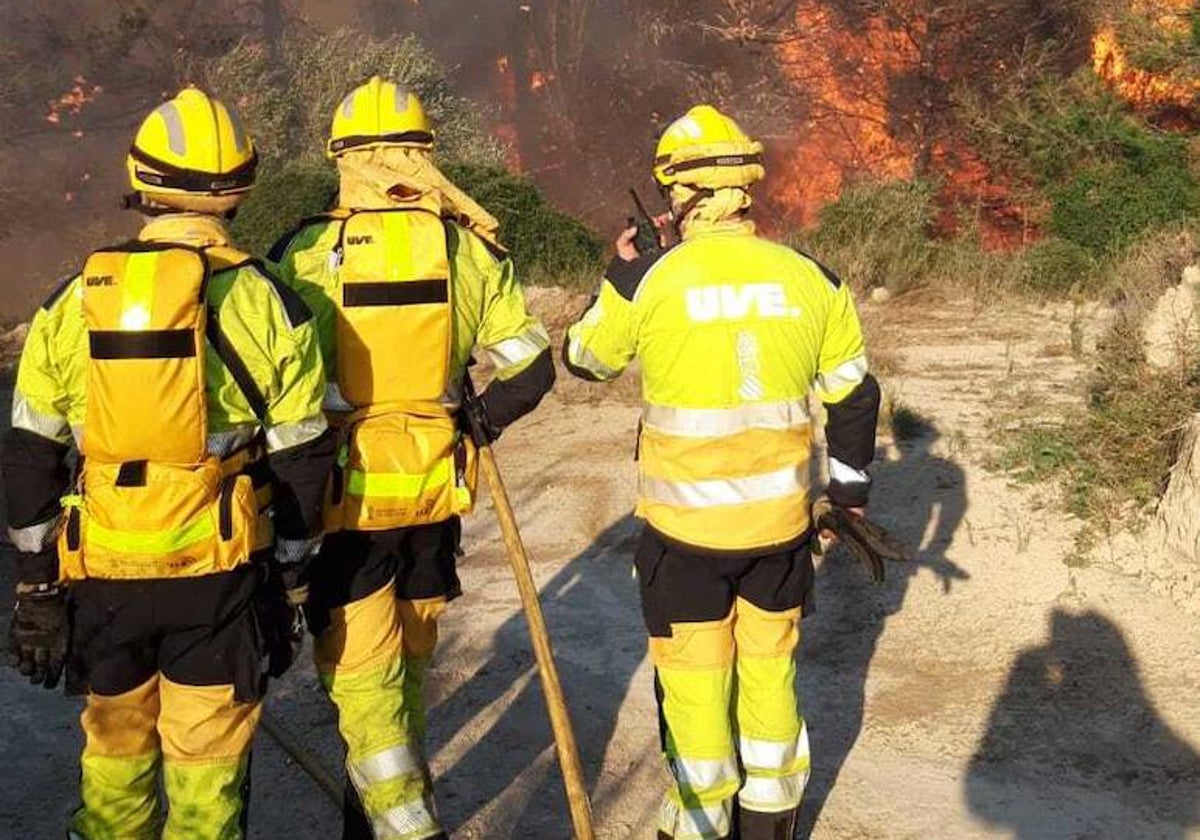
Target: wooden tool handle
pixel 560 719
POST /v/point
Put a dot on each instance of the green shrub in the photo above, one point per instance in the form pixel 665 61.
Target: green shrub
pixel 1112 458
pixel 876 233
pixel 1058 266
pixel 1105 207
pixel 288 99
pixel 287 104
pixel 283 196
pixel 541 238
pixel 546 245
pixel 1108 176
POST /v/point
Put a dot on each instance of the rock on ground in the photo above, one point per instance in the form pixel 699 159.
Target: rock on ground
pixel 1171 331
pixel 1175 564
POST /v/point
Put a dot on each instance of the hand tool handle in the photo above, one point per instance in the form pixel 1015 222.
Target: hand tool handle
pixel 560 719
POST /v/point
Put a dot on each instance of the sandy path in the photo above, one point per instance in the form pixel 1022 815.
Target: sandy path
pixel 986 690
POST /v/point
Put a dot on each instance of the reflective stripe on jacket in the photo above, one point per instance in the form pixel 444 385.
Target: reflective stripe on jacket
pixel 732 333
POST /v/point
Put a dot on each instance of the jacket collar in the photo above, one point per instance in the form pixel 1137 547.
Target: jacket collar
pixel 195 229
pixel 736 225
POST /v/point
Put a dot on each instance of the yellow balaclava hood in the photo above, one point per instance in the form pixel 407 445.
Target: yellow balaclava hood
pixel 709 210
pixel 397 176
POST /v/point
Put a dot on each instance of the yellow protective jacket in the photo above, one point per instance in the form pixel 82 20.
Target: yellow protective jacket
pixel 732 333
pixel 486 310
pixel 271 335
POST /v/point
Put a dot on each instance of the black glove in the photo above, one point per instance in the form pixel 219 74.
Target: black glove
pixel 40 632
pixel 870 544
pixel 282 624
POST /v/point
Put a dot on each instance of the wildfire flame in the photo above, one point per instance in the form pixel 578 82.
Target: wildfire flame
pixel 1144 90
pixel 847 131
pixel 72 101
pixel 506 129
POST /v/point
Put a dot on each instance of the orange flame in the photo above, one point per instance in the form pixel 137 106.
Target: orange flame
pixel 72 102
pixel 850 131
pixel 506 129
pixel 1142 89
pixel 847 131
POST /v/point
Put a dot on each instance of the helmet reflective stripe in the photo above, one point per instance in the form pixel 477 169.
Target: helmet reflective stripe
pixel 239 131
pixel 348 105
pixel 402 100
pixel 176 138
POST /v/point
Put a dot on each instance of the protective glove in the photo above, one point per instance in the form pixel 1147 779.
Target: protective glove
pixel 281 597
pixel 282 625
pixel 869 543
pixel 40 632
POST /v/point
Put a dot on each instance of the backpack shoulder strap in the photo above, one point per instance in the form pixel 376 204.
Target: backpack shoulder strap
pixel 228 354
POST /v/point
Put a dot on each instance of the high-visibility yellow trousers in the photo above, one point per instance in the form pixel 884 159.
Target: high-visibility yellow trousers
pixel 190 648
pixel 732 731
pixel 376 598
pixel 361 661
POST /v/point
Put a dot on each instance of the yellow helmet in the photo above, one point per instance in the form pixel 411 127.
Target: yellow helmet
pixel 379 113
pixel 192 153
pixel 707 150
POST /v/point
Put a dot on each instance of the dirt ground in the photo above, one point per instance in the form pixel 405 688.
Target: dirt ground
pixel 985 690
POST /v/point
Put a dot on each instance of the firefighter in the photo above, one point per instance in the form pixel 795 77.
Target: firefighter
pixel 731 331
pixel 406 277
pixel 190 382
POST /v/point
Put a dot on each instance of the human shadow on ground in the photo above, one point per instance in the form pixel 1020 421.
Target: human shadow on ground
pixel 594 618
pixel 917 493
pixel 1075 748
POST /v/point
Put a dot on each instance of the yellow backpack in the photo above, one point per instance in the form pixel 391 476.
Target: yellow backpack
pixel 150 501
pixel 403 460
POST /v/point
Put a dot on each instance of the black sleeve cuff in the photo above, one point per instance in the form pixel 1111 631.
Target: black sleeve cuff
pixel 576 370
pixel 626 275
pixel 507 400
pixel 36 568
pixel 850 427
pixel 299 475
pixel 35 476
pixel 849 495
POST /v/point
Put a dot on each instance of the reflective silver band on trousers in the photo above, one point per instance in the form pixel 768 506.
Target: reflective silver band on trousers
pixel 392 763
pixel 695 823
pixel 699 774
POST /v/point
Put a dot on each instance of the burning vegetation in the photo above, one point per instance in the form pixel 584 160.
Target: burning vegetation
pixel 994 103
pixel 1151 59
